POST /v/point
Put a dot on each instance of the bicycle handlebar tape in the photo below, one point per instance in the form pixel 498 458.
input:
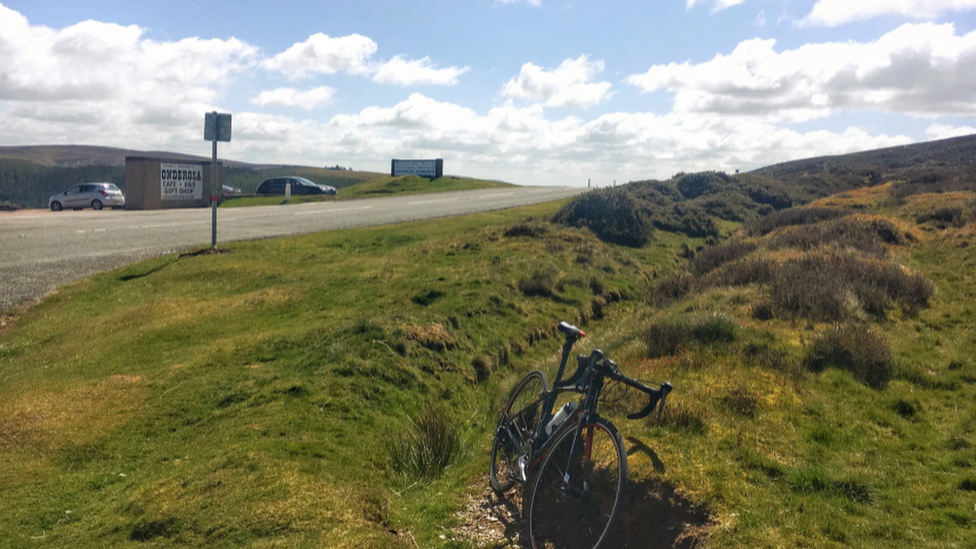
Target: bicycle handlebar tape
pixel 570 330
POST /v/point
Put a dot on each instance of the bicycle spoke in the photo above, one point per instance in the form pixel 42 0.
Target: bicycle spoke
pixel 517 425
pixel 578 514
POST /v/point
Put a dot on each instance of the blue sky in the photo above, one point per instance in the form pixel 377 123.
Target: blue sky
pixel 550 92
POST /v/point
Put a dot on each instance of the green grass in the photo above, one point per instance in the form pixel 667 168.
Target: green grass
pixel 378 186
pixel 412 184
pixel 233 399
pixel 256 398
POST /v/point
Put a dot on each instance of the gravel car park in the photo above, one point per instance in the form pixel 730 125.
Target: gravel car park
pixel 88 195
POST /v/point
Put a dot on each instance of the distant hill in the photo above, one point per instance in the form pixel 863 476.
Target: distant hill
pixel 955 151
pixel 952 161
pixel 72 156
pixel 697 204
pixel 30 174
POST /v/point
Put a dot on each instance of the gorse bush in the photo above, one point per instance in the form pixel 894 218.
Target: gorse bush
pixel 686 218
pixel 729 205
pixel 853 347
pixel 714 257
pixel 428 446
pixel 688 204
pixel 694 185
pixel 612 214
pixel 787 218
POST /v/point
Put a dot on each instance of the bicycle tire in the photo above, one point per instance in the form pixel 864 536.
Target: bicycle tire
pixel 519 418
pixel 581 515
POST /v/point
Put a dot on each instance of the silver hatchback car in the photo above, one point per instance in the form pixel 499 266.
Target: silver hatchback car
pixel 88 195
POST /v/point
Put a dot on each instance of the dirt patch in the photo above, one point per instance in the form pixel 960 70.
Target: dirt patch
pixel 654 517
pixel 434 337
pixel 490 520
pixel 7 323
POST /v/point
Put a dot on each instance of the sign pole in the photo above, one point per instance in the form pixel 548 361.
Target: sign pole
pixel 216 127
pixel 213 192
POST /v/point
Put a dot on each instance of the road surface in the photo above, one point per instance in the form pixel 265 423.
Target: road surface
pixel 42 250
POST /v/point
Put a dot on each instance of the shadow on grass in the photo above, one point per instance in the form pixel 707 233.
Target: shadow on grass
pixel 134 276
pixel 156 269
pixel 638 446
pixel 653 516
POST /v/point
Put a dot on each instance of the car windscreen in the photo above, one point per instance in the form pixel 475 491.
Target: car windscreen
pixel 306 182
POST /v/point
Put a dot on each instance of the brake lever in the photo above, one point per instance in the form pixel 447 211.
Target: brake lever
pixel 666 388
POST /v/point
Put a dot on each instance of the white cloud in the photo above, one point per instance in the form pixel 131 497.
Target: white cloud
pixel 918 69
pixel 535 3
pixel 323 54
pixel 943 131
pixel 353 54
pixel 832 13
pixel 720 5
pixel 566 86
pixel 402 72
pixel 103 83
pixel 521 144
pixel 760 20
pixel 290 97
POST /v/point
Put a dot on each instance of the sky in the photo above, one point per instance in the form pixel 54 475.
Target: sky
pixel 533 92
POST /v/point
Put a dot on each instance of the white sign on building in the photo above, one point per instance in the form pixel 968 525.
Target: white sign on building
pixel 181 182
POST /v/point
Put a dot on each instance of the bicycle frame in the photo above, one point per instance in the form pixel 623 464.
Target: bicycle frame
pixel 540 440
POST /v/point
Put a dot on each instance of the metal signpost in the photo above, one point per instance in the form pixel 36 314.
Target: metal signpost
pixel 216 127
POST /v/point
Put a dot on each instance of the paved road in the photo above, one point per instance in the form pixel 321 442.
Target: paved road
pixel 42 250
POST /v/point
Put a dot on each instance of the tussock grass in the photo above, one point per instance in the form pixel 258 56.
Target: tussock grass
pixel 856 348
pixel 428 445
pixel 670 336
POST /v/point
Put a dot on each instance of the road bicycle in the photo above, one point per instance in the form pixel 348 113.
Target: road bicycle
pixel 573 461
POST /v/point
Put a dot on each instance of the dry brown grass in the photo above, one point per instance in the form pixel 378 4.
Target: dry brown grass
pixel 434 337
pixel 70 416
pixel 857 199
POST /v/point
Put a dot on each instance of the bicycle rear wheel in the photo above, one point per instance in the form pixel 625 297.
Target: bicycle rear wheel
pixel 516 425
pixel 580 513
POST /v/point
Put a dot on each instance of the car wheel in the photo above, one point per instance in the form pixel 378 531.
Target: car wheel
pixel 96 204
pixel 56 206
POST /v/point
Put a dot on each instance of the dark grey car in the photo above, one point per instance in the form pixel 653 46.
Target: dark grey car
pixel 299 185
pixel 88 195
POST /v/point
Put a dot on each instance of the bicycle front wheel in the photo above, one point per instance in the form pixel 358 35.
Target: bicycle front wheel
pixel 516 426
pixel 574 504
